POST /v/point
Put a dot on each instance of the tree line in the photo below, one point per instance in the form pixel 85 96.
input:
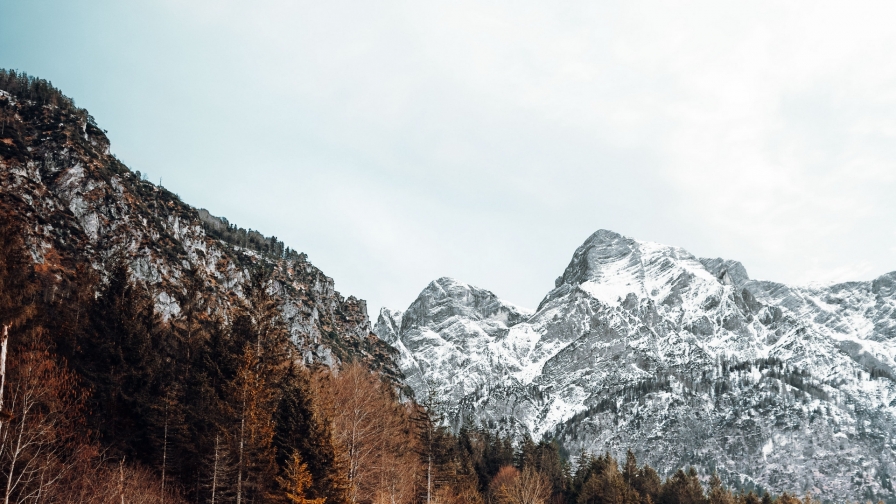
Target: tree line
pixel 40 91
pixel 222 229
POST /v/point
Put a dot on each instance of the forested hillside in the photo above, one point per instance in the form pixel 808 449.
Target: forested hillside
pixel 155 353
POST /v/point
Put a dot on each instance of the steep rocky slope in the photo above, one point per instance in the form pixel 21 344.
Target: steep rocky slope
pixel 684 360
pixel 79 205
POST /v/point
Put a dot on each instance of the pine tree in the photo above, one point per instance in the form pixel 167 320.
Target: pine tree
pixel 648 483
pixel 630 469
pixel 220 465
pixel 296 481
pixel 787 498
pixel 18 285
pixel 437 449
pixel 749 498
pixel 258 321
pixel 607 486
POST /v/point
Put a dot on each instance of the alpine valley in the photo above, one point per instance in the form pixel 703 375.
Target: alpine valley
pixel 684 360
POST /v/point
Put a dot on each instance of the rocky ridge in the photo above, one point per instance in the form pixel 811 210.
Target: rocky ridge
pixel 81 207
pixel 687 361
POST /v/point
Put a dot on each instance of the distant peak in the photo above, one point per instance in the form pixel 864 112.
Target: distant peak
pixel 447 281
pixel 388 312
pixel 610 266
pixel 603 236
pixel 451 290
pixel 452 287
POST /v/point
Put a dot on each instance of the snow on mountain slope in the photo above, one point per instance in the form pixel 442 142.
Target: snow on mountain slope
pixel 456 336
pixel 684 360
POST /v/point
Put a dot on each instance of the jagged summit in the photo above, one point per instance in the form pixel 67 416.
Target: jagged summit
pixel 611 267
pixel 446 297
pixel 686 360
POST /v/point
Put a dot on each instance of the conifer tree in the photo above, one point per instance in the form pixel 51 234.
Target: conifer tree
pixel 648 483
pixel 682 488
pixel 220 466
pixel 630 469
pixel 119 359
pixel 717 493
pixel 787 498
pixel 18 285
pixel 296 481
pixel 258 321
pixel 437 450
pixel 607 486
pixel 749 498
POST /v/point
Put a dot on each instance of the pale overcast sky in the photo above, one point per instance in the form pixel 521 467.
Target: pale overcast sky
pixel 397 142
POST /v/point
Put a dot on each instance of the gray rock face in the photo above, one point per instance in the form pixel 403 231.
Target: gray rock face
pixel 683 360
pixel 80 206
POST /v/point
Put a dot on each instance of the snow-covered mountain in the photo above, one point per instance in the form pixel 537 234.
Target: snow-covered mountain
pixel 684 360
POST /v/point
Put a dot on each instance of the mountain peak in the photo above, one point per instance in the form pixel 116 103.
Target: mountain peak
pixel 448 283
pixel 604 236
pixel 602 247
pixel 610 267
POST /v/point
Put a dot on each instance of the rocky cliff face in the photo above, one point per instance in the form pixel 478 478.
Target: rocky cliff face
pixel 446 340
pixel 684 360
pixel 79 205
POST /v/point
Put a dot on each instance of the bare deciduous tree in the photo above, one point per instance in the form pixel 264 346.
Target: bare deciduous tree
pixel 511 486
pixel 43 406
pixel 373 431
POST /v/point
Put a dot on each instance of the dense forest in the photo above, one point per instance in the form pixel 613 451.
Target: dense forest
pixel 102 400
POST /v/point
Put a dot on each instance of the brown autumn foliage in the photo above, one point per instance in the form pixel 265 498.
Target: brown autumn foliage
pixel 465 491
pixel 41 428
pixel 106 482
pixel 608 487
pixel 46 455
pixel 375 435
pixel 512 486
pixel 254 434
pixel 296 481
